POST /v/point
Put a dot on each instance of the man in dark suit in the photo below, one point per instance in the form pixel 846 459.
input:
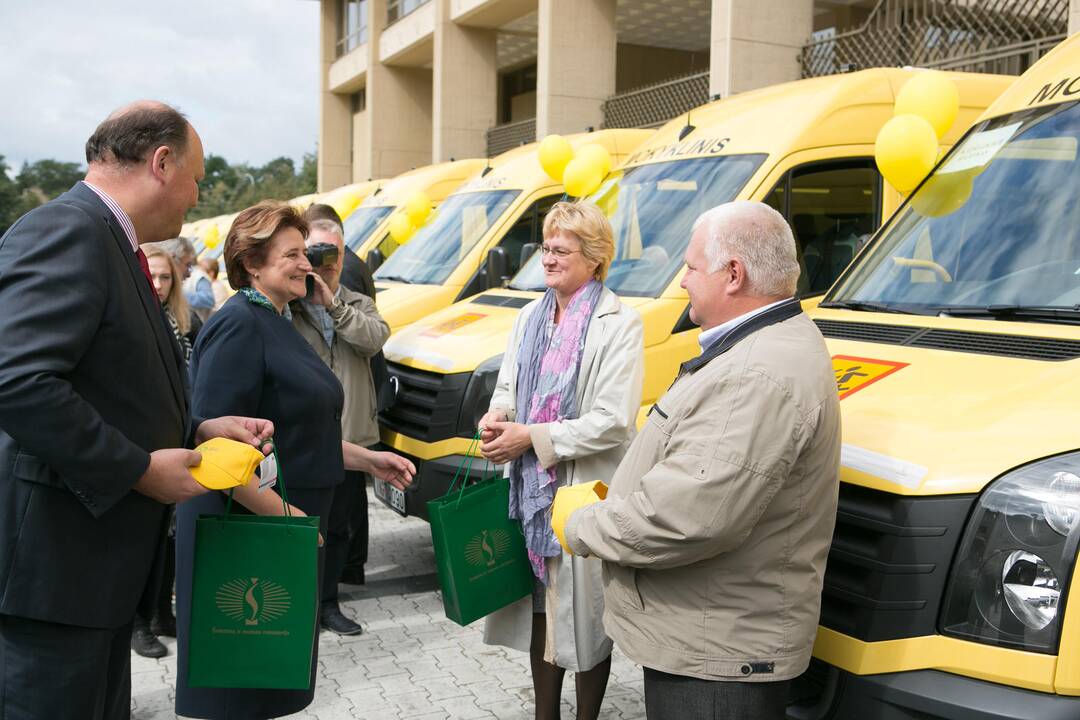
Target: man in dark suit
pixel 94 413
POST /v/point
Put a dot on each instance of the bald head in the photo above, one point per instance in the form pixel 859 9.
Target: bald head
pixel 130 134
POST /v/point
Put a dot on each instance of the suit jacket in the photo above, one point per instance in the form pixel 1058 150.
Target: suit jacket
pixel 251 361
pixel 91 381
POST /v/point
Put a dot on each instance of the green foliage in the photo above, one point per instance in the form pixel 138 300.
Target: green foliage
pixel 15 200
pixel 49 177
pixel 231 188
pixel 225 189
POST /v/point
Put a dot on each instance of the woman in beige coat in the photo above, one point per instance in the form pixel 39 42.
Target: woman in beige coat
pixel 563 412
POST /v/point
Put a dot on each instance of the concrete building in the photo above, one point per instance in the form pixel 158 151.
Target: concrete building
pixel 405 83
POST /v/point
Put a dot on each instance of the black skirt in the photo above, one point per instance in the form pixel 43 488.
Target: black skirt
pixel 234 703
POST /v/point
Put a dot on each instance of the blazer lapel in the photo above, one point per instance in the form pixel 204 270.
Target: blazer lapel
pixel 153 312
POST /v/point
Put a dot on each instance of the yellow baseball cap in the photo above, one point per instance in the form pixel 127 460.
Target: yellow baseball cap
pixel 571 498
pixel 225 463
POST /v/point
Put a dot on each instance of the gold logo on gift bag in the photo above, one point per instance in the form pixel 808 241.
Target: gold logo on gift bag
pixel 252 600
pixel 487 547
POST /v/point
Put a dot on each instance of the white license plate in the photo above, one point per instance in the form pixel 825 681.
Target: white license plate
pixel 390 495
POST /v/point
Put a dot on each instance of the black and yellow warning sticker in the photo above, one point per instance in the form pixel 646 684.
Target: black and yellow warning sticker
pixel 855 373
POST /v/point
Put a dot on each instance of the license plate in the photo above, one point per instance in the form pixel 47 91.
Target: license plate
pixel 390 495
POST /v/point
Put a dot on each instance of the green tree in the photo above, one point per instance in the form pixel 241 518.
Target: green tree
pixel 49 177
pixel 9 197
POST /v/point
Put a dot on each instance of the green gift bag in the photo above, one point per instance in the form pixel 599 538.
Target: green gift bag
pixel 479 551
pixel 253 600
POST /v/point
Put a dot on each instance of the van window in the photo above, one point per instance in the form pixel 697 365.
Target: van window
pixel 528 229
pixel 992 233
pixel 450 233
pixel 833 209
pixel 652 209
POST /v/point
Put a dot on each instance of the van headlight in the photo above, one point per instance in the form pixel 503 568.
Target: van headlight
pixel 478 395
pixel 1016 558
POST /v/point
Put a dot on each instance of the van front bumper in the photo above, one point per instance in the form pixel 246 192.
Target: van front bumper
pixel 926 695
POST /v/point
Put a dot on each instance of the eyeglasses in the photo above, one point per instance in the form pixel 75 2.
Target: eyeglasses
pixel 557 252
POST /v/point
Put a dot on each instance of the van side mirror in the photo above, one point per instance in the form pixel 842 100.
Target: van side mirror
pixel 527 251
pixel 498 267
pixel 374 259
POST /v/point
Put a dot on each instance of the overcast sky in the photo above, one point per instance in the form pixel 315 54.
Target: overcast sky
pixel 245 72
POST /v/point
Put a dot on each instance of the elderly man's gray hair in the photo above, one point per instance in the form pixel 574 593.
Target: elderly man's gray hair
pixel 327 226
pixel 757 235
pixel 179 247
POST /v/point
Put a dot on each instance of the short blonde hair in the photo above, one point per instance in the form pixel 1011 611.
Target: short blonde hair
pixel 588 224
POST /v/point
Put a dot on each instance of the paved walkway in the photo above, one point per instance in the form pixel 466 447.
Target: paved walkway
pixel 411 662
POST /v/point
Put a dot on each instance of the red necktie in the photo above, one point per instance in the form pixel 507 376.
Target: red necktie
pixel 146 271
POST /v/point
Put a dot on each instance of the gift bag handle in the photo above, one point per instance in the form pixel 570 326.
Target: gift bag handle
pixel 285 506
pixel 466 463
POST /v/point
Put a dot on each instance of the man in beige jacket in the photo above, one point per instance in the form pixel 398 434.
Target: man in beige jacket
pixel 346 331
pixel 716 528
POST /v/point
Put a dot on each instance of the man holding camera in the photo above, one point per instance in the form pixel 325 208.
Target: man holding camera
pixel 345 330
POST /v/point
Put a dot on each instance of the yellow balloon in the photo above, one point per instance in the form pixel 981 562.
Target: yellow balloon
pixel 598 154
pixel 555 153
pixel 930 94
pixel 344 203
pixel 213 237
pixel 418 207
pixel 400 228
pixel 943 194
pixel 582 176
pixel 905 151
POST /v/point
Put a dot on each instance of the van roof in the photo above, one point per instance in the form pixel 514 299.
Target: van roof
pixel 347 198
pixel 811 113
pixel 436 181
pixel 1053 79
pixel 520 168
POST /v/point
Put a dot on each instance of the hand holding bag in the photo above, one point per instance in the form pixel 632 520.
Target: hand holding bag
pixel 479 551
pixel 253 600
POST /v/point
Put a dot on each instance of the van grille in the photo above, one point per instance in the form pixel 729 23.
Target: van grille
pixel 427 403
pixel 889 562
pixel 1017 346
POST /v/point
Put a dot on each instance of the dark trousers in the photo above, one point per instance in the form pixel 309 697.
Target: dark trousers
pixel 347 532
pixel 677 697
pixel 63 672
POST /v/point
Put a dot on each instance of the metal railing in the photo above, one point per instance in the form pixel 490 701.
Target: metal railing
pixel 653 105
pixel 973 35
pixel 510 135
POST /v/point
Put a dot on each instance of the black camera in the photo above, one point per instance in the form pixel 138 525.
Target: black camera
pixel 322 255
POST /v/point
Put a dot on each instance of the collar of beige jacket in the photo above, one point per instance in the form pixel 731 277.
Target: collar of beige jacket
pixel 778 313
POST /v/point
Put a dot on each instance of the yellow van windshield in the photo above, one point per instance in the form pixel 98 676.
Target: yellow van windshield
pixel 362 222
pixel 446 238
pixel 652 209
pixel 992 233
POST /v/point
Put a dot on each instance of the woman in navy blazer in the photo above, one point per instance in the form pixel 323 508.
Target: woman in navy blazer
pixel 249 357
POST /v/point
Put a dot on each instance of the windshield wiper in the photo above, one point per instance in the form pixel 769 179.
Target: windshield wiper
pixel 865 305
pixel 1049 313
pixel 395 278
